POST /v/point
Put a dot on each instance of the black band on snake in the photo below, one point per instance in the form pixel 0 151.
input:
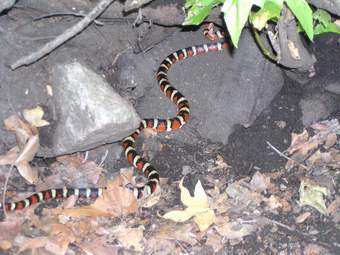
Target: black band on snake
pixel 162 125
pixel 159 125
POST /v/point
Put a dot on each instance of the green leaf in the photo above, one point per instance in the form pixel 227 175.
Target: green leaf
pixel 197 15
pixel 303 13
pixel 322 16
pixel 324 23
pixel 236 13
pixel 199 10
pixel 330 28
pixel 271 9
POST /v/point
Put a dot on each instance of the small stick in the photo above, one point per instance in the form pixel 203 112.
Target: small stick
pixel 283 155
pixel 263 47
pixel 65 36
pixel 5 190
pixel 56 14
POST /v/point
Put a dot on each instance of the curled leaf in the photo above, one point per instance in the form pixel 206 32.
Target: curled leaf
pixel 197 207
pixel 34 117
pixel 312 194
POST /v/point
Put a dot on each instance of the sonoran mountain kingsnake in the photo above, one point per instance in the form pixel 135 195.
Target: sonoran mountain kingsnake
pixel 159 125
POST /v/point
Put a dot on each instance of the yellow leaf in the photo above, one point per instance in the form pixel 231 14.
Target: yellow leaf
pixel 313 195
pixel 205 219
pixel 177 215
pixel 34 117
pixel 197 207
pixel 198 200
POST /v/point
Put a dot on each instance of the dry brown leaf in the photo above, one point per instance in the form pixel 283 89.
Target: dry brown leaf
pixel 116 201
pixel 293 50
pixel 273 202
pixel 32 243
pixel 130 238
pixel 302 144
pixel 9 157
pixel 74 169
pixel 214 240
pixel 60 236
pixel 27 171
pixel 242 194
pixel 69 202
pixel 330 140
pixel 284 201
pixel 309 146
pixel 49 90
pixel 219 164
pixel 22 129
pixel 297 140
pixel 98 246
pixel 235 230
pixel 5 245
pixel 58 245
pixel 219 201
pixel 334 207
pixel 302 217
pixel 313 249
pixel 260 182
pixel 329 158
pixel 172 231
pixel 28 145
pixel 28 151
pixel 159 246
pixel 10 228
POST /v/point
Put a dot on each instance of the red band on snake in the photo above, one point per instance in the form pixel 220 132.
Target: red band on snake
pixel 159 125
pixel 162 125
pixel 53 194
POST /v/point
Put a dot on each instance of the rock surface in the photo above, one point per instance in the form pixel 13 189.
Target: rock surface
pixel 25 87
pixel 6 4
pixel 333 6
pixel 224 89
pixel 321 95
pixel 317 106
pixel 88 112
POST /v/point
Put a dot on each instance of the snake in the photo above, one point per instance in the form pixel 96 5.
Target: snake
pixel 142 165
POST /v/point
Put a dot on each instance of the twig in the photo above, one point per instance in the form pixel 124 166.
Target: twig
pixel 284 156
pixel 103 158
pixel 76 14
pixel 5 190
pixel 263 48
pixel 65 36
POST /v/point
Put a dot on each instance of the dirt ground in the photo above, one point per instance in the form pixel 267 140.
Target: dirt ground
pixel 255 200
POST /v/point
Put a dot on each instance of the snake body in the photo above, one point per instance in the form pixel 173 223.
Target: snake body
pixel 159 125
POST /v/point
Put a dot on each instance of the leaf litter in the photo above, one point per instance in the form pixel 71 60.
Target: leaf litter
pixel 220 215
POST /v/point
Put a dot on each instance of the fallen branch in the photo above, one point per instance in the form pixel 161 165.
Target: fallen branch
pixel 57 14
pixel 65 36
pixel 5 190
pixel 284 156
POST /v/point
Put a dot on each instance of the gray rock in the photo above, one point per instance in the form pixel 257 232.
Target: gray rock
pixel 87 112
pixel 322 94
pixel 333 88
pixel 224 89
pixel 333 6
pixel 318 106
pixel 6 4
